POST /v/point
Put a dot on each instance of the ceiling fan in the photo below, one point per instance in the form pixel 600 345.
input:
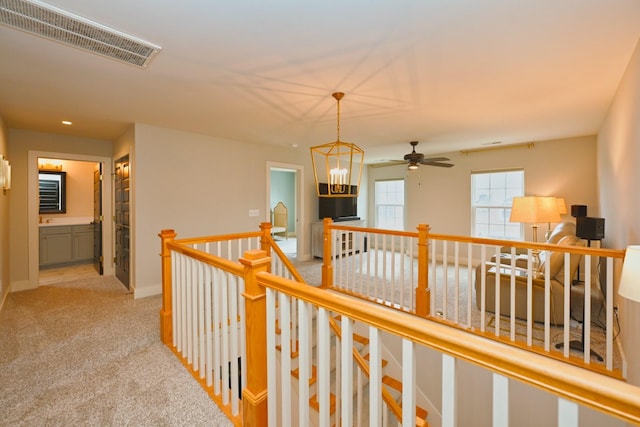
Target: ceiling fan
pixel 415 159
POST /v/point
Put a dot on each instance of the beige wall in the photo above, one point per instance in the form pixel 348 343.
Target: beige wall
pixel 619 176
pixel 21 143
pixel 79 184
pixel 198 185
pixel 4 222
pixel 440 197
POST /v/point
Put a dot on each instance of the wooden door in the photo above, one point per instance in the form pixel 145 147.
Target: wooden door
pixel 122 219
pixel 98 260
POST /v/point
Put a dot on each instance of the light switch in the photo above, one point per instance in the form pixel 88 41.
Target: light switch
pixel 254 212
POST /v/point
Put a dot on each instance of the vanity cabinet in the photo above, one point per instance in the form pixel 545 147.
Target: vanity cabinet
pixel 64 244
pixel 344 239
pixel 55 245
pixel 82 242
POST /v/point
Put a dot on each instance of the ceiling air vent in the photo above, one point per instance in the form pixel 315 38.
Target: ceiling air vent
pixel 55 24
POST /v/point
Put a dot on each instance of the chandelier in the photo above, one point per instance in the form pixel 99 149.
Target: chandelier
pixel 337 166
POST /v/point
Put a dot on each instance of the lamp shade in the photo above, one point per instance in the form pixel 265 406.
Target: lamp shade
pixel 534 209
pixel 630 278
pixel 562 205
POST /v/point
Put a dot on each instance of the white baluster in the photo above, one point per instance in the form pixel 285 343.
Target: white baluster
pixel 408 383
pixel 449 415
pixel 272 376
pixel 285 357
pixel 375 377
pixel 567 413
pixel 500 401
pixel 347 371
pixel 324 366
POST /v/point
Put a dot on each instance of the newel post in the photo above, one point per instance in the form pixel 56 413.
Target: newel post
pixel 254 395
pixel 327 264
pixel 166 332
pixel 265 245
pixel 423 295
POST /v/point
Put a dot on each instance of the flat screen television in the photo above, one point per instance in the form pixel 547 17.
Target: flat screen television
pixel 337 208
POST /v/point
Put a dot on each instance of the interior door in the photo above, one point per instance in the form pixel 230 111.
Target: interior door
pixel 98 260
pixel 122 219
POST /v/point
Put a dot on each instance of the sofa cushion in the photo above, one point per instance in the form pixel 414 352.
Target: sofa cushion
pixel 556 260
pixel 561 230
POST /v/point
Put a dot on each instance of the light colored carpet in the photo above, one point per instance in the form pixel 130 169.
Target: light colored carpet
pixel 86 353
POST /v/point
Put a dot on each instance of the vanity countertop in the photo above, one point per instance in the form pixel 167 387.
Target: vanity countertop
pixel 52 222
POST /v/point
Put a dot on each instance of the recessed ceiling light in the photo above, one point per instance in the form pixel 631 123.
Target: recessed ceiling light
pixel 67 123
pixel 294 145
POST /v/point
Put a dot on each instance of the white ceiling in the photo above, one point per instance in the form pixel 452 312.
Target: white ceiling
pixel 451 74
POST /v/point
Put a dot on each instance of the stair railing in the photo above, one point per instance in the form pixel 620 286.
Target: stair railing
pixel 572 386
pixel 183 263
pixel 385 266
pixel 434 275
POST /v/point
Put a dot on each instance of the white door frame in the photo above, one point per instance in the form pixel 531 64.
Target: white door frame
pixel 33 215
pixel 301 236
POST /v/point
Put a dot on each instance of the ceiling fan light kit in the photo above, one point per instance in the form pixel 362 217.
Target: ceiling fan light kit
pixel 337 166
pixel 415 159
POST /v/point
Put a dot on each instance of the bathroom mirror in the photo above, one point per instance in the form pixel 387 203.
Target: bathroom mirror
pixel 52 190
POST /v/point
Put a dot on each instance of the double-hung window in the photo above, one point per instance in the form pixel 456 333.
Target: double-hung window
pixel 491 197
pixel 389 200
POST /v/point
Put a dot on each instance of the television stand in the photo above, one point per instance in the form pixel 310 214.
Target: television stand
pixel 344 242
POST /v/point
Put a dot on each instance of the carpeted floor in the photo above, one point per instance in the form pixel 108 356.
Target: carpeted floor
pixel 86 353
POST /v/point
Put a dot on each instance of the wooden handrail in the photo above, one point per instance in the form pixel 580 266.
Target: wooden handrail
pixel 601 252
pixel 287 263
pixel 219 238
pixel 584 387
pixel 612 253
pixel 336 226
pixel 221 263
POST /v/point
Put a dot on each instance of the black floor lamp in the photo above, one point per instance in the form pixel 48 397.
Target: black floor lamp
pixel 587 228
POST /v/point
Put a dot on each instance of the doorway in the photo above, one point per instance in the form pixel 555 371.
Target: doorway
pixel 33 207
pixel 70 216
pixel 284 185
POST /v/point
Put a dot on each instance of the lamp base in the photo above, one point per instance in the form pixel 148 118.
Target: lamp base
pixel 535 264
pixel 579 346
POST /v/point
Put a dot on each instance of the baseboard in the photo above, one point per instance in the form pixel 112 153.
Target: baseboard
pixel 4 298
pixel 22 285
pixel 147 291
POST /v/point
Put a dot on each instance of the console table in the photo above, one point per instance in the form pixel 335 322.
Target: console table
pixel 344 239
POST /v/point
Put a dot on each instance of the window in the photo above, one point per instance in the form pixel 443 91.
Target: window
pixel 389 199
pixel 491 196
pixel 52 192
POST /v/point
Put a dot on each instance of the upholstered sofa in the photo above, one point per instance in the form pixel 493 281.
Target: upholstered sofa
pixel 563 235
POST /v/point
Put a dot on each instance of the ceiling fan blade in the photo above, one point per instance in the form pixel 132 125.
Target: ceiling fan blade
pixel 439 164
pixel 435 159
pixel 386 163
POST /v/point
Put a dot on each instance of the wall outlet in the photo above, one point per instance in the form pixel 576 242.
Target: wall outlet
pixel 254 212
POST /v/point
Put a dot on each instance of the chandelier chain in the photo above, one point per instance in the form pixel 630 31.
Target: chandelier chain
pixel 338 96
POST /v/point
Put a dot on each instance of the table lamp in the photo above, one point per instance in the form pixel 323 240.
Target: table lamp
pixel 534 210
pixel 562 210
pixel 630 278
